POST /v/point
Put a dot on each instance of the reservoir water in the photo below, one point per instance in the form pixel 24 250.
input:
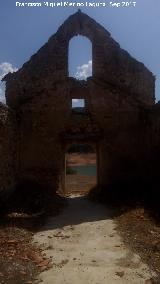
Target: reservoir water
pixel 86 170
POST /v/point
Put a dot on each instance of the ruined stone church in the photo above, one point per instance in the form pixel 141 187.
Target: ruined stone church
pixel 121 119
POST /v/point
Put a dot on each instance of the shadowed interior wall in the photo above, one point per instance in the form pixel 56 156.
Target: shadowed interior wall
pixel 8 150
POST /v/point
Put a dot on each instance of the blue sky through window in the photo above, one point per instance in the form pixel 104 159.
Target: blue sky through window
pixel 80 57
pixel 78 103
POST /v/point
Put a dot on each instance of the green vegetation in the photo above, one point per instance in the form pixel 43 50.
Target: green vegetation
pixel 70 171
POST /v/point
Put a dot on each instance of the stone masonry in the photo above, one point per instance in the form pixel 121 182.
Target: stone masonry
pixel 120 119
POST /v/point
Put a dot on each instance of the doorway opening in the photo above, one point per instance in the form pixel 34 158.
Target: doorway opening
pixel 81 169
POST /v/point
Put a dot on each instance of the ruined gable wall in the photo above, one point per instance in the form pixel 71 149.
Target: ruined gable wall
pixel 110 64
pixel 8 150
pixel 41 92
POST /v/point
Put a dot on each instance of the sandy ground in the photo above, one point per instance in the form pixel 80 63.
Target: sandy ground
pixel 79 184
pixel 86 248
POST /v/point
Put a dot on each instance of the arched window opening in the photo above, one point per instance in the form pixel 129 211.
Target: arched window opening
pixel 80 58
pixel 81 169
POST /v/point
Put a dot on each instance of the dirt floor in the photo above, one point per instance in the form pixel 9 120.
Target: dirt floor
pixel 79 184
pixel 141 233
pixel 85 246
pixel 83 242
pixel 20 260
pixel 80 241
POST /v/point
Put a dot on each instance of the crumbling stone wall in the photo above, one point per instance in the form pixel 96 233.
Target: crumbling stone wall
pixel 152 144
pixel 117 96
pixel 8 150
pixel 111 64
pixel 48 125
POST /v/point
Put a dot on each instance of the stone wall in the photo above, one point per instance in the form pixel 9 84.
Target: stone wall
pixel 48 125
pixel 119 98
pixel 152 144
pixel 8 150
pixel 111 65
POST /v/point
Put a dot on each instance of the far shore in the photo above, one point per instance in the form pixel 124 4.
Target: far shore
pixel 78 159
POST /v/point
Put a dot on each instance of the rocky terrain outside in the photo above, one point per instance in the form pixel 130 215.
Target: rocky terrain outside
pixel 78 183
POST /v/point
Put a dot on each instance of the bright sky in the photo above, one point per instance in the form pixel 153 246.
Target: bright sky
pixel 25 30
